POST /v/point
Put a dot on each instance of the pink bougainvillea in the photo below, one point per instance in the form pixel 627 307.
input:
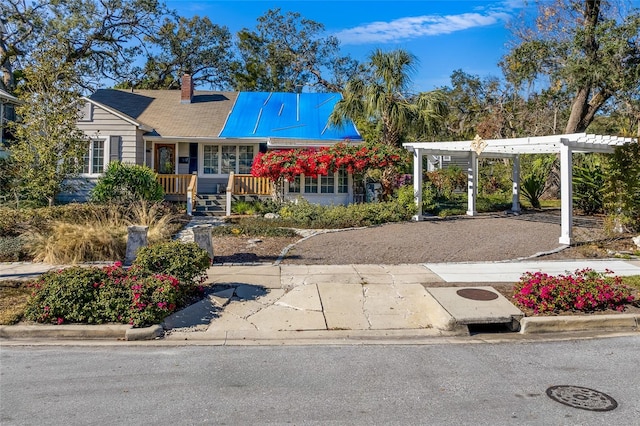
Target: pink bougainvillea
pixel 585 290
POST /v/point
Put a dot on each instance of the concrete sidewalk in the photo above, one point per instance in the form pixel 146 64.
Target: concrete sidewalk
pixel 284 304
pixel 266 302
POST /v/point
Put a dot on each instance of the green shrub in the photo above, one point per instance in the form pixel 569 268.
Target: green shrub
pixel 269 206
pixel 68 295
pixel 12 249
pixel 622 186
pixel 8 222
pixel 253 227
pixel 244 207
pixel 446 181
pixel 123 183
pixel 588 181
pixel 185 261
pixel 304 214
pixel 109 294
pixel 494 176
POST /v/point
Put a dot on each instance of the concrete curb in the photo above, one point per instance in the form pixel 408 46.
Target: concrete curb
pixel 80 331
pixel 557 324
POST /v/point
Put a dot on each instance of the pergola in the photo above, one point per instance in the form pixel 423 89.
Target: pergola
pixel 565 145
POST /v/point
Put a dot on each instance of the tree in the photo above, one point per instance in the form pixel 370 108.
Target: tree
pixel 98 37
pixel 383 98
pixel 286 53
pixel 588 48
pixel 48 145
pixel 193 46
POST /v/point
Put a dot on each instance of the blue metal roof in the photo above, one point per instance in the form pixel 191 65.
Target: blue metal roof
pixel 286 116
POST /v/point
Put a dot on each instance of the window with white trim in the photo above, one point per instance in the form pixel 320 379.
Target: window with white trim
pixel 245 158
pixel 310 185
pixel 224 159
pixel 229 159
pixel 94 159
pixel 343 181
pixel 294 185
pixel 210 158
pixel 327 184
pixel 334 183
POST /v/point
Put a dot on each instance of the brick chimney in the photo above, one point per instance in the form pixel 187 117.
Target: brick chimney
pixel 186 89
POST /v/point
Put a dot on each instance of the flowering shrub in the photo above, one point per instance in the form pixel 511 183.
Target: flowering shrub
pixel 584 291
pixel 109 294
pixel 185 261
pixel 312 162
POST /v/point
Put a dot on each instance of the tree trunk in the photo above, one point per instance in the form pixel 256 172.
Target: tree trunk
pixel 583 110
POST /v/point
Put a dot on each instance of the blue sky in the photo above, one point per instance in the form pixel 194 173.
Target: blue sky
pixel 444 35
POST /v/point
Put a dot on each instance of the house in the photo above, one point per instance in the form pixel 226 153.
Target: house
pixel 7 114
pixel 210 135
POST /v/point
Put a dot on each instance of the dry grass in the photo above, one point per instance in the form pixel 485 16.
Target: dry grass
pixel 162 224
pixel 102 237
pixel 13 301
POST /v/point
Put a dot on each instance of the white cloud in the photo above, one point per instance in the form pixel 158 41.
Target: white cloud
pixel 418 26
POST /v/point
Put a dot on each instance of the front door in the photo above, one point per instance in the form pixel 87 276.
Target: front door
pixel 165 159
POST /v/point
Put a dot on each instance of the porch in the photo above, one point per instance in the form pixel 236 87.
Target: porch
pixel 184 187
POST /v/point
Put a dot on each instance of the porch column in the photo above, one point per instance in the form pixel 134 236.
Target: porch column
pixel 515 177
pixel 566 193
pixel 472 184
pixel 417 182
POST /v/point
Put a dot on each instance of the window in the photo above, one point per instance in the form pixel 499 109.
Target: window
pixel 343 181
pixel 326 184
pixel 294 185
pixel 94 159
pixel 228 159
pixel 245 158
pixel 224 159
pixel 336 182
pixel 210 158
pixel 310 184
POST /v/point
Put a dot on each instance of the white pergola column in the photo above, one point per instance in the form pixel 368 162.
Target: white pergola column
pixel 566 193
pixel 472 184
pixel 515 191
pixel 417 182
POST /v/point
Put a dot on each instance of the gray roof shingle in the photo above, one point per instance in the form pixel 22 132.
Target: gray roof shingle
pixel 162 110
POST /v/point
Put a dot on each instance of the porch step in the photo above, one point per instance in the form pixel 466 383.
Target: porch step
pixel 216 204
pixel 211 204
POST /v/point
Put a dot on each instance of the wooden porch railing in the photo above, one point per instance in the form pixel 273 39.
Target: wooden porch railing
pixel 175 184
pixel 247 185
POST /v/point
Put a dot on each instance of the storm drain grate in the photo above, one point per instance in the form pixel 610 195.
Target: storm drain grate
pixel 583 398
pixel 477 294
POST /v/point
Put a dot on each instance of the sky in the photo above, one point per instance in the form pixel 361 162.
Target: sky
pixel 444 35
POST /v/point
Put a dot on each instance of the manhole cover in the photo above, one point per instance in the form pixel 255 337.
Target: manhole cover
pixel 477 294
pixel 583 398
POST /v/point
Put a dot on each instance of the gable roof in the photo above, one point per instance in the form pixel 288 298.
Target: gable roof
pixel 298 116
pixel 162 110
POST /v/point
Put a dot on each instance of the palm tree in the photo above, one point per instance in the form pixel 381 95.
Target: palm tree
pixel 383 98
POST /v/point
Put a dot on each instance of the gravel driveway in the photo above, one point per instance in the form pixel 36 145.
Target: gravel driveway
pixel 459 239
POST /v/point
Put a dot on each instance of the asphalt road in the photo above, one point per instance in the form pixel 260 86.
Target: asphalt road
pixel 454 384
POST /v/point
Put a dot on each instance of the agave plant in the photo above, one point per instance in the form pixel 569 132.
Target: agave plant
pixel 532 188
